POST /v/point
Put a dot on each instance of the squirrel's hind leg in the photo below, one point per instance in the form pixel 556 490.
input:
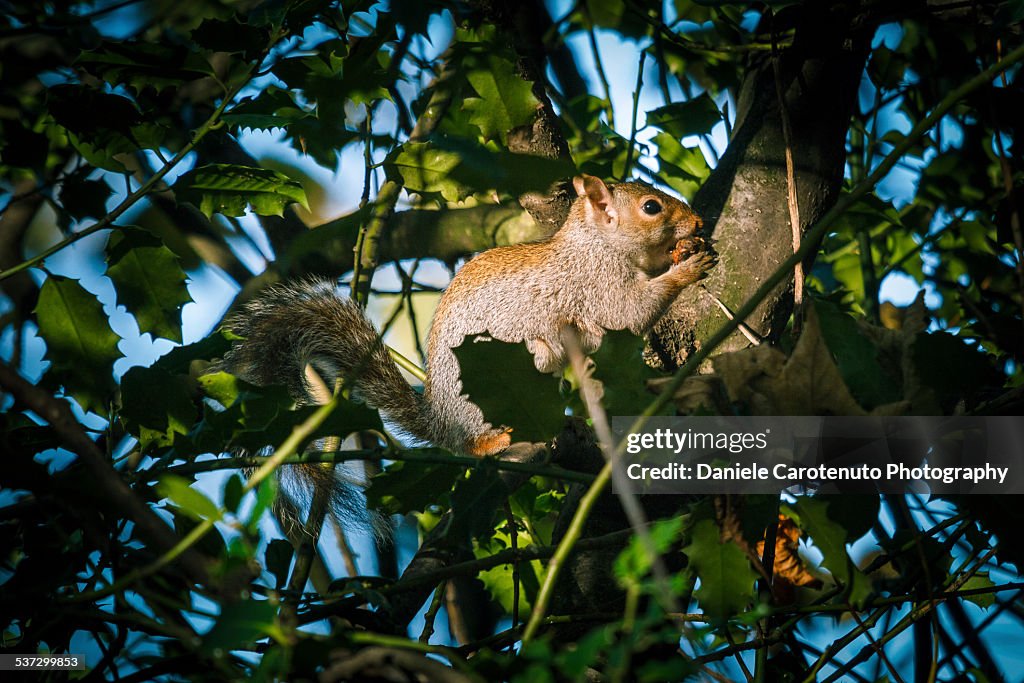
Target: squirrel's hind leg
pixel 490 442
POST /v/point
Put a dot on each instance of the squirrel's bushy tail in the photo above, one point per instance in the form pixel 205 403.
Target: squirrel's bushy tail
pixel 292 325
pixel 305 323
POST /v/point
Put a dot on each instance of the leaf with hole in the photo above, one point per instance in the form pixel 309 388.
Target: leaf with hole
pixel 229 188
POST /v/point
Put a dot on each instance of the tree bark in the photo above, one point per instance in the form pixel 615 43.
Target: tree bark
pixel 744 202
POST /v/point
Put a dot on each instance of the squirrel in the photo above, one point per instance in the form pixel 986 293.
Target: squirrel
pixel 618 262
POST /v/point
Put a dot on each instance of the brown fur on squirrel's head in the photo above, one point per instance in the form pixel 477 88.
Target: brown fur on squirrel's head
pixel 638 220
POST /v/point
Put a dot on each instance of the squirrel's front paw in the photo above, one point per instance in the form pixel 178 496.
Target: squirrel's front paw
pixel 696 258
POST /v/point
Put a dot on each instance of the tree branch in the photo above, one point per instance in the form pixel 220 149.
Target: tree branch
pixel 112 487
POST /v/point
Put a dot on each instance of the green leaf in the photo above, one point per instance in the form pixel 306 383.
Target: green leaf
pixel 99 125
pixel 426 169
pixel 234 489
pixel 149 281
pixel 278 559
pixel 89 112
pixel 965 369
pixel 823 520
pixel 456 169
pixel 499 580
pixel 529 402
pixel 684 168
pixel 81 197
pixel 192 502
pixel 146 64
pixel 157 405
pixel 620 368
pixel 405 487
pixel 682 119
pixel 79 342
pixel 272 108
pixel 484 168
pixel 179 360
pixel 857 358
pixel 505 100
pixel 726 577
pixel 253 418
pixel 475 500
pixel 239 624
pixel 231 36
pixel 228 188
pixel 266 493
pixel 634 562
pixel 979 581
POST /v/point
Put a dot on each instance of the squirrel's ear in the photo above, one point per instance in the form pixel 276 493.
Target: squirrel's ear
pixel 598 196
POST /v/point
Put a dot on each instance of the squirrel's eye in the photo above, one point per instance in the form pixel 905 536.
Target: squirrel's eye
pixel 651 207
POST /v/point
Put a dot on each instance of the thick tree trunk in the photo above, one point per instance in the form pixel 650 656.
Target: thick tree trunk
pixel 745 199
pixel 744 202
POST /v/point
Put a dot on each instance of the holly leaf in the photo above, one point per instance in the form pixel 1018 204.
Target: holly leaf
pixel 806 383
pixel 229 188
pixel 143 64
pixel 427 169
pixel 483 168
pixel 278 559
pixel 634 562
pixel 241 623
pixel 82 197
pixel 726 577
pixel 500 581
pixel 157 405
pixel 966 369
pixel 620 368
pixel 231 36
pixel 695 116
pixel 272 108
pixel 192 502
pixel 79 342
pixel 234 490
pixel 856 357
pixel 825 522
pixel 255 417
pixel 505 100
pixel 406 486
pixel 503 381
pixel 475 500
pixel 149 281
pixel 684 168
pixel 980 580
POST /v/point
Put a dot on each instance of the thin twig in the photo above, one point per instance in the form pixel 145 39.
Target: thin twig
pixel 108 481
pixel 598 66
pixel 212 123
pixel 881 650
pixel 633 123
pixel 917 613
pixel 298 436
pixel 753 337
pixel 791 196
pixel 431 614
pixel 427 455
pixel 818 231
pixel 630 505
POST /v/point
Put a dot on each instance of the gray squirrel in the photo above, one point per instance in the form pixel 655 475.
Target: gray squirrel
pixel 625 252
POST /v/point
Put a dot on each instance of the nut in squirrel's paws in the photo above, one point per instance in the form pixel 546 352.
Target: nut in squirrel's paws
pixel 688 246
pixel 694 254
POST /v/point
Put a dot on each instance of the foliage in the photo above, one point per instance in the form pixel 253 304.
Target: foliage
pixel 137 518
